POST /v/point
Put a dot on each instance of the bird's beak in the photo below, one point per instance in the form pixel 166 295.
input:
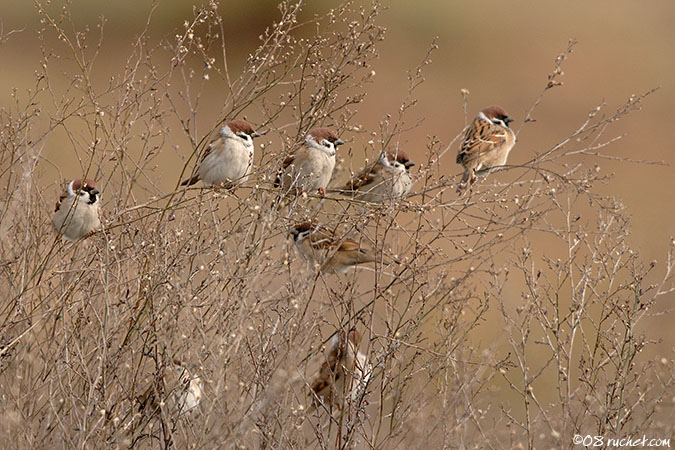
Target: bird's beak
pixel 409 164
pixel 508 120
pixel 339 142
pixel 95 191
pixel 255 134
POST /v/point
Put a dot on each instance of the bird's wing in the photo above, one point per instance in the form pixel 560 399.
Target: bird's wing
pixel 322 240
pixel 289 159
pixel 365 177
pixel 214 146
pixel 58 203
pixel 328 372
pixel 349 245
pixel 481 138
pixel 354 252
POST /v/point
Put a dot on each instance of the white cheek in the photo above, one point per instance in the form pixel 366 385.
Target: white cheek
pixel 246 140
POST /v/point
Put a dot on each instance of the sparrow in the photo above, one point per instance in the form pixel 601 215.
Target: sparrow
pixel 486 144
pixel 180 391
pixel 228 160
pixel 310 167
pixel 320 247
pixel 77 211
pixel 345 371
pixel 387 180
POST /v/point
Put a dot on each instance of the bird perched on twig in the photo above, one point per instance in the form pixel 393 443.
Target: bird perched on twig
pixel 486 144
pixel 228 160
pixel 388 179
pixel 345 371
pixel 309 168
pixel 178 389
pixel 320 247
pixel 77 212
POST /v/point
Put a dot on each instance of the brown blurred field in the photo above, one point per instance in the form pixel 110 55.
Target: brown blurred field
pixel 500 51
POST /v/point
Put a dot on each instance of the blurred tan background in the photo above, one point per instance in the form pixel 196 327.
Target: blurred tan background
pixel 500 51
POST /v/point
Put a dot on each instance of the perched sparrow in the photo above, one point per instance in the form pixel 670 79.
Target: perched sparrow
pixel 310 168
pixel 178 389
pixel 486 144
pixel 77 211
pixel 387 180
pixel 334 255
pixel 227 160
pixel 345 371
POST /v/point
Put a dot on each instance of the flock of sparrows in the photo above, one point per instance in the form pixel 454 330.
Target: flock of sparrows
pixel 228 162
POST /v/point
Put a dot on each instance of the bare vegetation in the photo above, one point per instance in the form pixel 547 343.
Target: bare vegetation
pixel 207 277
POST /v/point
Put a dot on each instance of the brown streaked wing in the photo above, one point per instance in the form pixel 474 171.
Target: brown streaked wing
pixel 289 160
pixel 327 373
pixel 366 176
pixel 58 203
pixel 214 145
pixel 321 240
pixel 349 245
pixel 320 383
pixel 284 165
pixel 481 138
pixel 352 250
pixel 329 369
